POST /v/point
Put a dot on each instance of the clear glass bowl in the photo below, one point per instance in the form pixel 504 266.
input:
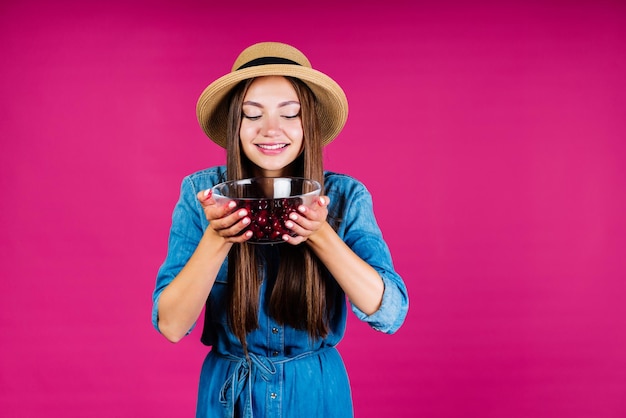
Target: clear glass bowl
pixel 269 201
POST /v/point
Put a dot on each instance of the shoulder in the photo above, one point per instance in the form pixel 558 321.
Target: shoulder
pixel 342 185
pixel 350 207
pixel 346 193
pixel 205 179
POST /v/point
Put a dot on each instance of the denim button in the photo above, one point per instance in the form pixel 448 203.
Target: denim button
pixel 273 395
pixel 274 330
pixel 274 353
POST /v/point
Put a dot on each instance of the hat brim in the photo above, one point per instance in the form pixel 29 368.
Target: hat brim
pixel 332 105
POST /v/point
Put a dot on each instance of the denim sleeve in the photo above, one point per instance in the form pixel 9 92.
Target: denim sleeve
pixel 185 234
pixel 363 235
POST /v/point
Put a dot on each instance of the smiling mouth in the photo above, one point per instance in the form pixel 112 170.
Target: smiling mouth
pixel 272 147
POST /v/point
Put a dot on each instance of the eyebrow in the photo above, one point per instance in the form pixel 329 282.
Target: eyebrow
pixel 281 104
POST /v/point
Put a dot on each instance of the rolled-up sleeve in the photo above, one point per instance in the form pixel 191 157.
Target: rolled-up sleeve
pixel 392 312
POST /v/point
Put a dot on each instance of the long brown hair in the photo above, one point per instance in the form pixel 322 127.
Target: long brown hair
pixel 302 288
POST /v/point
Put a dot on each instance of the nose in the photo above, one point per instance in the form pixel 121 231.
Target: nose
pixel 271 126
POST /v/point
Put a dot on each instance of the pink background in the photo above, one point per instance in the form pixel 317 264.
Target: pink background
pixel 492 138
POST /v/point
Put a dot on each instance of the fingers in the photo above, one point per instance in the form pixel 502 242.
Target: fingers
pixel 301 225
pixel 205 197
pixel 316 212
pixel 307 220
pixel 223 217
pixel 232 224
pixel 294 240
pixel 212 208
pixel 231 227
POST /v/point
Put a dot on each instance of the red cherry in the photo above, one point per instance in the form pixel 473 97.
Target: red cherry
pixel 262 218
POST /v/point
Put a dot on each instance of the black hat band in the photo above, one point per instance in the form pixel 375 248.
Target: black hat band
pixel 266 61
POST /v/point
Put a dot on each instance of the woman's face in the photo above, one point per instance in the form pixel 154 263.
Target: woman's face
pixel 271 127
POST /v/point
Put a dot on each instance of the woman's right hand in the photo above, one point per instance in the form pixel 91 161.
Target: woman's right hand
pixel 224 220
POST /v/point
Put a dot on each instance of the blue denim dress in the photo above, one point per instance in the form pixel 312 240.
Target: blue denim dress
pixel 286 373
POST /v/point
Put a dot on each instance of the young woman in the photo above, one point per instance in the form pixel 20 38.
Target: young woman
pixel 274 313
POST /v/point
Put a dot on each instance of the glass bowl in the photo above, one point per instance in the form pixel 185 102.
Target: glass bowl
pixel 269 201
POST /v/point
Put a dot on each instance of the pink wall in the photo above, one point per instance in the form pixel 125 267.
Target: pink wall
pixel 492 138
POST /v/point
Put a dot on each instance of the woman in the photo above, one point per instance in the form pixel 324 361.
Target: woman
pixel 274 313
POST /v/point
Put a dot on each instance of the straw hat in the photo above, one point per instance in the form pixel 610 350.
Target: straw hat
pixel 272 58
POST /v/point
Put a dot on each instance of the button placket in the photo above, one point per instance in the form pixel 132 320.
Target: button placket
pixel 275 346
pixel 274 393
pixel 275 349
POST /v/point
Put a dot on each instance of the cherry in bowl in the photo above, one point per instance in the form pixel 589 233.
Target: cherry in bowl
pixel 269 202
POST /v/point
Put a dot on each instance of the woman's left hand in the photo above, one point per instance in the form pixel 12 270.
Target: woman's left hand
pixel 307 220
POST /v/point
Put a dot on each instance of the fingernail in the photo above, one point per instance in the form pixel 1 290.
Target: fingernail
pixel 245 221
pixel 293 216
pixel 242 212
pixel 289 224
pixel 231 204
pixel 207 193
pixel 322 201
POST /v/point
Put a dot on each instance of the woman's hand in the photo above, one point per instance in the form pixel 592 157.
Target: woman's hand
pixel 307 220
pixel 224 220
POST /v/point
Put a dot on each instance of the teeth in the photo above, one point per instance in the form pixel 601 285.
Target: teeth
pixel 271 147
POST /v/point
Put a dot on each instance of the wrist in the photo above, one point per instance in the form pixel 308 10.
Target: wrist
pixel 215 240
pixel 320 236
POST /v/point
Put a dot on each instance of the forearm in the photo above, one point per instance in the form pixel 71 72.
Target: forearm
pixel 360 281
pixel 182 301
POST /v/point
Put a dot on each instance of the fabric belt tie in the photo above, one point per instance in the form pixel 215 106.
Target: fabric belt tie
pixel 241 378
